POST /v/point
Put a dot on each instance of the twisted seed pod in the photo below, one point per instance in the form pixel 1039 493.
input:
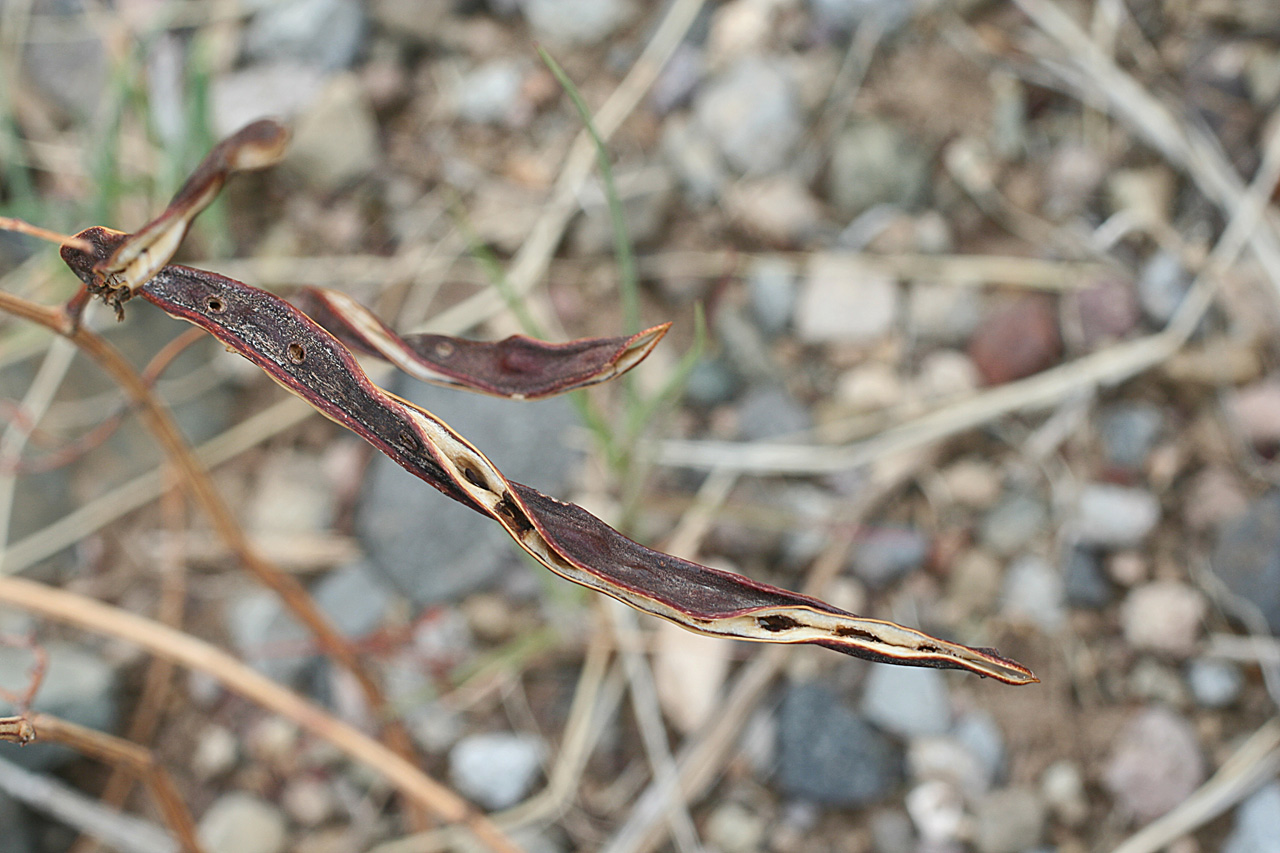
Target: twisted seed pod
pixel 304 358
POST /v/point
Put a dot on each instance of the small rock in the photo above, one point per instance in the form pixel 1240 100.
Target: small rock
pixel 869 387
pixel 678 79
pixel 1129 432
pixel 269 638
pixel 1163 616
pixel 891 832
pixel 712 382
pixel 777 209
pixel 1214 683
pixel 771 412
pixel 945 374
pixel 828 755
pixel 1062 787
pixel 1144 195
pixel 691 154
pixel 1256 411
pixel 907 701
pixel 1115 516
pixel 977 731
pixel 1127 568
pixel 843 302
pixel 884 555
pixel 1257 823
pixel 1084 583
pixel 324 33
pixel 576 22
pixel 496 769
pixel 1009 821
pixel 78 686
pixel 1155 763
pixel 1014 522
pixel 745 347
pixel 216 752
pixel 242 823
pixel 1246 556
pixel 1154 682
pixel 281 89
pixel 974 583
pixel 872 163
pixel 292 495
pixel 1214 495
pixel 972 482
pixel 771 288
pixel 308 800
pixel 492 94
pixel 1017 340
pixel 1161 286
pixel 734 828
pixel 937 809
pixel 1108 310
pixel 936 758
pixel 336 140
pixel 689 672
pixel 752 115
pixel 646 193
pixel 945 314
pixel 1033 592
pixel 430 548
pixel 1072 179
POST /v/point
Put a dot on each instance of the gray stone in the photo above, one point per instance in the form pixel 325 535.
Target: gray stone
pixel 242 823
pixel 432 549
pixel 491 94
pixel 567 22
pixel 771 287
pixel 646 193
pixel 1033 593
pixel 273 642
pixel 324 33
pixel 752 115
pixel 1246 556
pixel 691 154
pixel 1112 516
pixel 1013 523
pixel 78 686
pixel 977 731
pixel 280 89
pixel 848 15
pixel 1155 763
pixel 1009 821
pixel 885 555
pixel 1084 582
pixel 734 828
pixel 842 301
pixel 873 162
pixel 1129 432
pixel 944 314
pixel 777 209
pixel 15 830
pixel 335 141
pixel 678 79
pixel 496 769
pixel 828 755
pixel 891 832
pixel 1257 823
pixel 1214 683
pixel 908 701
pixel 1063 789
pixel 1163 616
pixel 1162 285
pixel 712 382
pixel 771 412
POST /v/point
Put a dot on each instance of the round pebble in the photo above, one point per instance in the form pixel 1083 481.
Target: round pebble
pixel 242 823
pixel 1163 616
pixel 496 769
pixel 1009 821
pixel 1214 683
pixel 1155 763
pixel 1115 516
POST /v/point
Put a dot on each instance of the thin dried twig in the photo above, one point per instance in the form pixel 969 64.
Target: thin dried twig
pixel 192 653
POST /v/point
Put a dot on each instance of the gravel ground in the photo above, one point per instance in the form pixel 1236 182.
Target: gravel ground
pixel 990 295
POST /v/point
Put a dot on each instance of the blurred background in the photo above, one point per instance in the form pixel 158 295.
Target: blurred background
pixel 989 295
